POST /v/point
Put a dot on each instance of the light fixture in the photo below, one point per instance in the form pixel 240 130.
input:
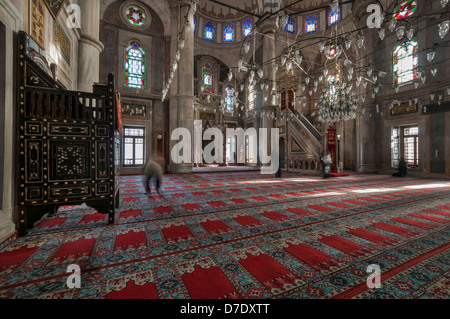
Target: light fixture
pixel 181 44
pixel 430 56
pixel 410 33
pixel 360 41
pixel 444 3
pixel 337 101
pixel 348 44
pixel 321 47
pixel 334 6
pixel 434 71
pixel 400 32
pixel 260 73
pixel 283 21
pixel 392 24
pixel 443 28
pixel 187 26
pixel 246 46
pixel 230 75
pixel 382 33
pixel 288 66
pixel 275 67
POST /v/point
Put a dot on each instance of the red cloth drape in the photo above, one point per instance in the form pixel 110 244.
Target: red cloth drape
pixel 332 145
pixel 119 114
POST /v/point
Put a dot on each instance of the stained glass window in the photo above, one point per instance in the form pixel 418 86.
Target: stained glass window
pixel 136 16
pixel 228 33
pixel 208 78
pixel 311 24
pixel 334 17
pixel 251 96
pixel 405 9
pixel 195 23
pixel 210 31
pixel 229 98
pixel 247 28
pixel 406 62
pixel 290 26
pixel 135 66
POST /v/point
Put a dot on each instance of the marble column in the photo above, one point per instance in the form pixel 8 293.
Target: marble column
pixel 367 143
pixel 89 45
pixel 10 23
pixel 182 93
pixel 268 30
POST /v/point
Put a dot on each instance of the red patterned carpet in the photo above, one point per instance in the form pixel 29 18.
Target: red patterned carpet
pixel 244 235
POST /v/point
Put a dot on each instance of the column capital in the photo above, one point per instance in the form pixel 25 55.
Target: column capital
pixel 92 41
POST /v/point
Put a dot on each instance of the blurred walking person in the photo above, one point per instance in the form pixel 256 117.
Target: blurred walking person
pixel 153 170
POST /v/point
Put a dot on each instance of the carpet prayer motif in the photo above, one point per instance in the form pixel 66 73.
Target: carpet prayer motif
pixel 243 235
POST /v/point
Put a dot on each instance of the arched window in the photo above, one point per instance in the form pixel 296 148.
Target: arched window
pixel 210 32
pixel 228 33
pixel 251 96
pixel 311 24
pixel 405 9
pixel 247 28
pixel 334 17
pixel 135 66
pixel 229 99
pixel 290 25
pixel 208 78
pixel 406 62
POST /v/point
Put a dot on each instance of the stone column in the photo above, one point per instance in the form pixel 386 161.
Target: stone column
pixel 89 45
pixel 367 144
pixel 182 100
pixel 269 52
pixel 10 22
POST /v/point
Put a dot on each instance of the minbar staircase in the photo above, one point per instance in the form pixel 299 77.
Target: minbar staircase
pixel 304 145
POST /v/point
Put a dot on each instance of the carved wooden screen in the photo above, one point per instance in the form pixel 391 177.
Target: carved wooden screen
pixel 65 143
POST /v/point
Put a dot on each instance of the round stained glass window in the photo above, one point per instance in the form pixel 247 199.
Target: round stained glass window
pixel 136 16
pixel 405 9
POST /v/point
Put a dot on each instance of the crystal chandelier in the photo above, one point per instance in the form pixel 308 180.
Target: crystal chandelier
pixel 338 102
